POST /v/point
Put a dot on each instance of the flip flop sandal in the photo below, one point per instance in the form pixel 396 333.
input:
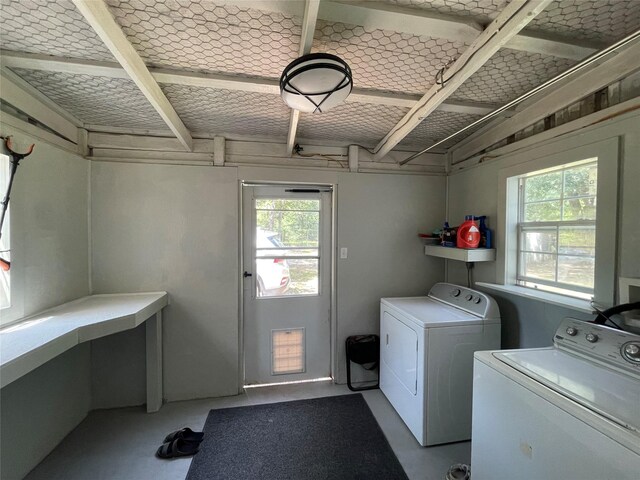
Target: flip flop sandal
pixel 177 448
pixel 185 434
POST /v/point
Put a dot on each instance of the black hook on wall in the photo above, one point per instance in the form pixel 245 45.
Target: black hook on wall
pixel 16 157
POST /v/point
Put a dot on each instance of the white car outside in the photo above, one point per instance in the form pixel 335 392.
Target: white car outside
pixel 272 277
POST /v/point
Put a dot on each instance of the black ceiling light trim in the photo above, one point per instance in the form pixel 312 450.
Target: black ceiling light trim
pixel 316 82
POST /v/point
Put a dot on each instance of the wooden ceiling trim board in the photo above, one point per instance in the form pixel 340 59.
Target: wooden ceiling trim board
pixel 293 128
pixel 99 17
pixel 401 19
pixel 211 80
pixel 537 43
pixel 374 15
pixel 37 94
pixel 22 100
pixel 306 41
pixel 615 68
pixel 511 20
pixel 418 22
pixel 38 132
pixel 546 137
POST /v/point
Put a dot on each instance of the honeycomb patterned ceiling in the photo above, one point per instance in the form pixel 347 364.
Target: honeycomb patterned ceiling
pixel 229 112
pixel 364 123
pixel 598 20
pixel 509 74
pixel 385 60
pixel 50 28
pixel 96 100
pixel 481 11
pixel 200 35
pixel 438 126
pixel 248 40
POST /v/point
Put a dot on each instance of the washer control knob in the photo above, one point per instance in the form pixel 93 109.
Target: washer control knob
pixel 591 337
pixel 572 331
pixel 456 292
pixel 478 300
pixel 631 351
pixel 468 297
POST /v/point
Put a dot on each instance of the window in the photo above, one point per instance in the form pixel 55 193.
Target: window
pixel 557 222
pixel 287 246
pixel 557 229
pixel 5 246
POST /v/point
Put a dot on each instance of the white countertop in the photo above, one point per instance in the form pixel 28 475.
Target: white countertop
pixel 26 345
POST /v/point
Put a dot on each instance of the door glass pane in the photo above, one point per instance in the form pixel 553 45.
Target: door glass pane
pixel 287 246
pixel 304 276
pixel 287 252
pixel 287 227
pixel 287 204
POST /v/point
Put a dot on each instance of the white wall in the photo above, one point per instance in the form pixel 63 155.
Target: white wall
pixel 527 322
pixel 173 228
pixel 49 230
pixel 379 217
pixel 38 410
pixel 176 228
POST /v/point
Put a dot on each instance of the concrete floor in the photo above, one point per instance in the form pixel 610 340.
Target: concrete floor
pixel 119 444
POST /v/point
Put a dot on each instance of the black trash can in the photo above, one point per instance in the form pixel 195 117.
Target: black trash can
pixel 365 351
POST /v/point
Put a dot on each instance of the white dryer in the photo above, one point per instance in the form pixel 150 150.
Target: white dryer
pixel 426 358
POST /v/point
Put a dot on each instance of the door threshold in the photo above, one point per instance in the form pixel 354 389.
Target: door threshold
pixel 292 382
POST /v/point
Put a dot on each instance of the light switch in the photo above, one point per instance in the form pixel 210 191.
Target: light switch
pixel 343 252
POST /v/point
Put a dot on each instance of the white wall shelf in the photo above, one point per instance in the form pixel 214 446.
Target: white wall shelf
pixel 462 254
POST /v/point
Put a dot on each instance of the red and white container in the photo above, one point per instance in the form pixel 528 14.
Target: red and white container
pixel 468 234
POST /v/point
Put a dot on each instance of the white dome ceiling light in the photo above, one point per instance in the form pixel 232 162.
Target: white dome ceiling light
pixel 316 82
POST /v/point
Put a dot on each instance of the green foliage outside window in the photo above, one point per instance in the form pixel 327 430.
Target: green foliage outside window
pixel 296 221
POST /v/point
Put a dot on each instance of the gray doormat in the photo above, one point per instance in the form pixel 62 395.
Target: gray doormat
pixel 322 438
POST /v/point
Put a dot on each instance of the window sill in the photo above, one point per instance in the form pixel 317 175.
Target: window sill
pixel 547 297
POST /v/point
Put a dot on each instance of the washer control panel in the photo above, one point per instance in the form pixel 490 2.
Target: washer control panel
pixel 605 344
pixel 467 299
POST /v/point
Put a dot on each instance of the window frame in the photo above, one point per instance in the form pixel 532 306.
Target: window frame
pixel 566 153
pixel 5 238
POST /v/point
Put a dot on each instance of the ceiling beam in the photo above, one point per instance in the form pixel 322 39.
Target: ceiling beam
pixel 422 23
pixel 615 68
pixel 376 15
pixel 306 41
pixel 546 45
pixel 270 86
pixel 400 19
pixel 99 17
pixel 511 20
pixel 33 91
pixel 24 101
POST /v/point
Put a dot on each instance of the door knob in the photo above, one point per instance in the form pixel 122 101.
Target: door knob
pixel 247 274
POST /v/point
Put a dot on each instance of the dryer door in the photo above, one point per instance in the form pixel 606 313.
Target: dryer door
pixel 399 350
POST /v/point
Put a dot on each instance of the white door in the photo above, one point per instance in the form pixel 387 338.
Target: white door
pixel 287 283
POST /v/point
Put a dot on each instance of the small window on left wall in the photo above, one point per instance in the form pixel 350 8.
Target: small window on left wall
pixel 5 240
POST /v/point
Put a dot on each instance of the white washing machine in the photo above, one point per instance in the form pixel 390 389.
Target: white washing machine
pixel 571 411
pixel 426 358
